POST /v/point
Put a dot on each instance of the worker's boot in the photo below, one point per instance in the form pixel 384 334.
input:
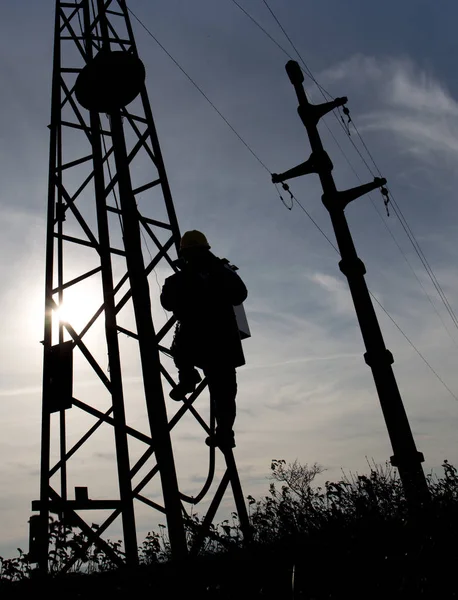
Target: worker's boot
pixel 223 439
pixel 187 383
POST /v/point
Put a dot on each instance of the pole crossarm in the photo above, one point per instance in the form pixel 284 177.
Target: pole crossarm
pixel 342 198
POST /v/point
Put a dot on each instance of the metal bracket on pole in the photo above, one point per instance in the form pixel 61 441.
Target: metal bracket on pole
pixel 316 163
pixel 314 112
pixel 339 200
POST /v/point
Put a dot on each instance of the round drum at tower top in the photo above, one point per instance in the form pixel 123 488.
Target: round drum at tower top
pixel 110 81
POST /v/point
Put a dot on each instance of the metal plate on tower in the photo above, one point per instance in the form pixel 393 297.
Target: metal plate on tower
pixel 110 81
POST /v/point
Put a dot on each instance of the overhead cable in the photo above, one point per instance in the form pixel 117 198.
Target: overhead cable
pixel 396 209
pixel 295 199
pixel 384 309
pixel 200 91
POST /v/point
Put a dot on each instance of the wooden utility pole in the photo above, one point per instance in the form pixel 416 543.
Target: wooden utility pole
pixel 405 457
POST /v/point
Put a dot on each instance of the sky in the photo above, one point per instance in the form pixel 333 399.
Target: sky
pixel 305 392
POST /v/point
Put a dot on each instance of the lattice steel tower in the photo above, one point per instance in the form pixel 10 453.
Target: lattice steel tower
pixel 109 201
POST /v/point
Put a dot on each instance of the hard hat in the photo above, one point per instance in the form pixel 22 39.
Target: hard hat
pixel 193 239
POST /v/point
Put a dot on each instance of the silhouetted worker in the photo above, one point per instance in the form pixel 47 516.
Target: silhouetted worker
pixel 202 295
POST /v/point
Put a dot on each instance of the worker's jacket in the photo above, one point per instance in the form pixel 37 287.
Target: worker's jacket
pixel 202 300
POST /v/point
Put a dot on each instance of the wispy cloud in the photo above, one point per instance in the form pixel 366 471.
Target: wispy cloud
pixel 409 103
pixel 335 291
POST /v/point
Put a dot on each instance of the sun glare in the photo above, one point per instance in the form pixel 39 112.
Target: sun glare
pixel 63 314
pixel 78 305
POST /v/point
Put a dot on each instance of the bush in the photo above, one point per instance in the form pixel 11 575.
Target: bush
pixel 354 537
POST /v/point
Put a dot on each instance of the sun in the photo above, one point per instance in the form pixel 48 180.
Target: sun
pixel 77 306
pixel 64 313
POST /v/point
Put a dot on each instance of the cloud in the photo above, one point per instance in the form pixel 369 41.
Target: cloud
pixel 408 103
pixel 335 291
pixel 305 391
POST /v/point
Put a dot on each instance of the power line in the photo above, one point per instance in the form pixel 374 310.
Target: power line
pixel 408 231
pixel 425 263
pixel 262 29
pixel 326 95
pixel 414 273
pixel 365 147
pixel 417 351
pixel 382 307
pixel 268 170
pixel 305 70
pixel 316 224
pixel 200 91
pixel 291 42
pixel 393 238
pixel 396 208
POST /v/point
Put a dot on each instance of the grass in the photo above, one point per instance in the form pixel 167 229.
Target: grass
pixel 353 538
